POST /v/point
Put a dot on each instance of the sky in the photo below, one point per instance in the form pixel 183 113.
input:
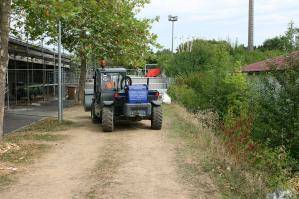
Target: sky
pixel 220 19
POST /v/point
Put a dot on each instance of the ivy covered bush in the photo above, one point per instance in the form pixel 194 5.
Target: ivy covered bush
pixel 276 120
pixel 258 123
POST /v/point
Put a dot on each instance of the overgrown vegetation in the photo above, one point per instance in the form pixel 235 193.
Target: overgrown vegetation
pixel 287 42
pixel 202 150
pixel 258 115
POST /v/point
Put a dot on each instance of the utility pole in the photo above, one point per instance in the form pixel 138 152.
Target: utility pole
pixel 172 19
pixel 60 103
pixel 251 25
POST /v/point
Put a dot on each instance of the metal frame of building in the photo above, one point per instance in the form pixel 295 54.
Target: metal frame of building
pixel 33 70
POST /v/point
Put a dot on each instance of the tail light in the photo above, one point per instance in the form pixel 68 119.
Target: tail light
pixel 157 94
pixel 116 95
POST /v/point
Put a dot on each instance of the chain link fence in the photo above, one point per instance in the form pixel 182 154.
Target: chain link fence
pixel 27 86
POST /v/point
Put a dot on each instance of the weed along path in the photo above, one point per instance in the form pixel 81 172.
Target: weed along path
pixel 132 162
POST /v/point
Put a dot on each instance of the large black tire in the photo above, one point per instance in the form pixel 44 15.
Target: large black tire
pixel 95 119
pixel 157 118
pixel 108 119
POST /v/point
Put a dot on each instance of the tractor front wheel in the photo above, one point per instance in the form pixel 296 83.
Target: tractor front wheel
pixel 108 119
pixel 157 117
pixel 94 117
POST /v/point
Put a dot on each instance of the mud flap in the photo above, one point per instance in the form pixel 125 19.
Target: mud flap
pixel 88 95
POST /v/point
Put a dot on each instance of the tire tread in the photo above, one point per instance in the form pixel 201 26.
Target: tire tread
pixel 157 118
pixel 107 119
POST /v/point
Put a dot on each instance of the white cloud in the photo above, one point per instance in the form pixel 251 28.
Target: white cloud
pixel 221 18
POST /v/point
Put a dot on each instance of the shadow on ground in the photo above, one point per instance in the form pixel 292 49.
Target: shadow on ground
pixel 120 126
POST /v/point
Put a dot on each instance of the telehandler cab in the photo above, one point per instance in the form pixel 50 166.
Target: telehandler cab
pixel 114 98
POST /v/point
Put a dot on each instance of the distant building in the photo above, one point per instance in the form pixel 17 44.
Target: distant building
pixel 33 72
pixel 258 72
pixel 266 65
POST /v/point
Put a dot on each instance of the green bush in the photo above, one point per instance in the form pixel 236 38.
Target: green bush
pixel 277 109
pixel 236 97
pixel 259 115
pixel 276 163
pixel 203 56
pixel 185 96
pixel 213 89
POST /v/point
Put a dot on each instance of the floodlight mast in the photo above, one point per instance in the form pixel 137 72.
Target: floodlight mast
pixel 172 19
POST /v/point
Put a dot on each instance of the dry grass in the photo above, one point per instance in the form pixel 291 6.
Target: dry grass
pixel 14 159
pixel 208 153
pixel 294 183
pixel 49 125
pixel 21 148
pixel 105 169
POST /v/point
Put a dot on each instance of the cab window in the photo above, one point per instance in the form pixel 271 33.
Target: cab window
pixel 110 81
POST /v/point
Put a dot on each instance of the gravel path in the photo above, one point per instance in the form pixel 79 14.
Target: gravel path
pixel 132 162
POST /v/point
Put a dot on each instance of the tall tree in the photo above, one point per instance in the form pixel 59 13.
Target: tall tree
pixel 106 28
pixel 287 42
pixel 5 7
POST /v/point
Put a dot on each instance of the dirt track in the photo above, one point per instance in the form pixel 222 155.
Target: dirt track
pixel 132 162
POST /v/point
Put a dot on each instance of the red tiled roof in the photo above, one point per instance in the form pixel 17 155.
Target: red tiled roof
pixel 264 66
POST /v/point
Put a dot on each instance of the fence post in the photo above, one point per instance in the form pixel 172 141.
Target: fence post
pixel 27 63
pixel 7 89
pixel 15 79
pixel 60 106
pixel 54 74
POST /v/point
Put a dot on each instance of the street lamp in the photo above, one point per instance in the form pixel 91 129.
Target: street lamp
pixel 172 19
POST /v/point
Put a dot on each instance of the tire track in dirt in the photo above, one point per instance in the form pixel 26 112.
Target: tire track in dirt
pixel 142 166
pixel 131 162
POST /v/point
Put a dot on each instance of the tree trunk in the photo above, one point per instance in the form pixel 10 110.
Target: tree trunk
pixel 5 7
pixel 82 76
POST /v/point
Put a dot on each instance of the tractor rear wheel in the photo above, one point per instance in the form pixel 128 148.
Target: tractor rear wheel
pixel 108 119
pixel 157 118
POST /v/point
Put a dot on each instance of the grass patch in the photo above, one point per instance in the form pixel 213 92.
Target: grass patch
pixel 49 125
pixel 5 180
pixel 16 138
pixel 234 181
pixel 202 151
pixel 41 131
pixel 105 169
pixel 24 154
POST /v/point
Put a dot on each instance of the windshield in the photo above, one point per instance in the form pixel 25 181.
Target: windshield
pixel 111 81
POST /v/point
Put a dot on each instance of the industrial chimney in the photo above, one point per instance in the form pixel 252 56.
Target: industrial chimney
pixel 251 25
